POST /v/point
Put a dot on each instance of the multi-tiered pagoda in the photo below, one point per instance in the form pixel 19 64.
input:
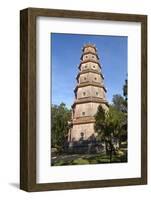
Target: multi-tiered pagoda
pixel 89 94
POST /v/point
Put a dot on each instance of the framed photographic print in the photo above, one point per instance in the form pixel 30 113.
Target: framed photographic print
pixel 83 99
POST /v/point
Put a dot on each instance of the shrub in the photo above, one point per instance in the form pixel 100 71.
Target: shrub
pixel 80 161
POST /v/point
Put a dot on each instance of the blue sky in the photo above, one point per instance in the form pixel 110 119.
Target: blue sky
pixel 66 50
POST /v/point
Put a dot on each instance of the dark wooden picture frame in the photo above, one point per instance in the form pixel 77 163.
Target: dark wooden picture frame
pixel 28 98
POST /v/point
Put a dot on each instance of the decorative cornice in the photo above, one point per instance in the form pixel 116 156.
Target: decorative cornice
pixel 83 120
pixel 90 84
pixel 89 71
pixel 89 52
pixel 89 100
pixel 89 60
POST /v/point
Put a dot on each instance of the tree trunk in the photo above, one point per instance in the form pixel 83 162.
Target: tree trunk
pixel 111 148
pixel 111 152
pixel 106 149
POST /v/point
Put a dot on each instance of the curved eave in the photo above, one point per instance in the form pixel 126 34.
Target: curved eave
pixel 89 52
pixel 83 120
pixel 89 60
pixel 89 84
pixel 90 100
pixel 89 71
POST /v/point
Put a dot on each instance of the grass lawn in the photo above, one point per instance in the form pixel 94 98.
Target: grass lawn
pixel 80 159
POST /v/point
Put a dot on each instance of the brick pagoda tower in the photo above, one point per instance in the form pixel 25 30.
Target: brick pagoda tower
pixel 89 94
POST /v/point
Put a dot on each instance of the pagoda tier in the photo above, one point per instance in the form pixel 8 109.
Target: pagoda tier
pixel 90 61
pixel 85 71
pixel 90 92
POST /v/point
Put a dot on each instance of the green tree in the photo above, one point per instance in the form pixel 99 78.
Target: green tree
pixel 100 123
pixel 112 124
pixel 125 90
pixel 125 93
pixel 60 115
pixel 108 125
pixel 119 103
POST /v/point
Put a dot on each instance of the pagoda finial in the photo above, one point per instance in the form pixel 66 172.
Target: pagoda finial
pixel 89 44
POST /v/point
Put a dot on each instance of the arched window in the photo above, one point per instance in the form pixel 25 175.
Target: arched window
pixel 83 113
pixel 84 93
pixel 97 93
pixel 82 136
